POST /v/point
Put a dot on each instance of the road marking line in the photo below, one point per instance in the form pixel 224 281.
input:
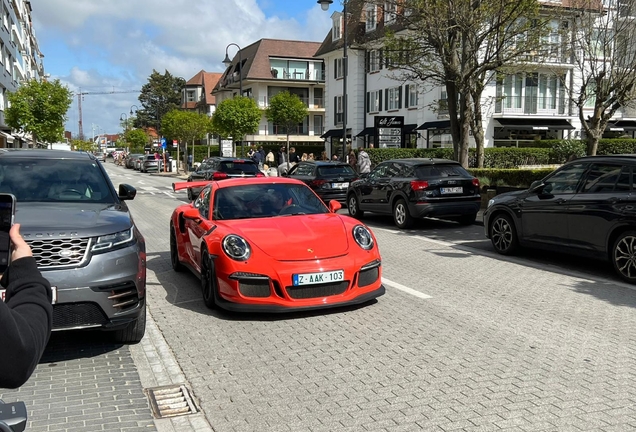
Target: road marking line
pixel 405 289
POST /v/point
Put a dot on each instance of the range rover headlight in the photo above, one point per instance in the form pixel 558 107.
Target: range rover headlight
pixel 363 237
pixel 236 247
pixel 490 202
pixel 117 240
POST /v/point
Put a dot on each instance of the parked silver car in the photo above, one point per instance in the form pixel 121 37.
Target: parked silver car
pixel 83 239
pixel 149 163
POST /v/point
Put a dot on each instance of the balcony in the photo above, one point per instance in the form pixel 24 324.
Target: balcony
pixel 281 130
pixel 298 74
pixel 530 105
pixel 319 103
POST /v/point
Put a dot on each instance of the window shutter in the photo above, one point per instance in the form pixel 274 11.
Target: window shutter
pixel 367 60
pixel 400 97
pixel 380 100
pixel 386 99
pixel 368 101
pixel 380 60
pixel 335 68
pixel 406 96
pixel 335 110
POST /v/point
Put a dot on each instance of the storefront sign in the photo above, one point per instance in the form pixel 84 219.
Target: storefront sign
pixel 226 148
pixel 389 130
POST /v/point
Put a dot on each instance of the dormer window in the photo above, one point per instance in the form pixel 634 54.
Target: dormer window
pixel 390 12
pixel 372 17
pixel 336 29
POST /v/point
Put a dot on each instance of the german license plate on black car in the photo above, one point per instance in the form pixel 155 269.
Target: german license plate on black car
pixel 452 190
pixel 317 278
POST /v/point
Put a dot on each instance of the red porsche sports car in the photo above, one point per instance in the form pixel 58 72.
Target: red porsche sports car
pixel 269 244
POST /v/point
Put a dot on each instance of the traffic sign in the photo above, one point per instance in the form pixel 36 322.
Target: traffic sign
pixel 163 142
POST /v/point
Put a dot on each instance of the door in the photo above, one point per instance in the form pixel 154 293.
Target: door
pixel 369 190
pixel 386 185
pixel 197 227
pixel 544 211
pixel 604 199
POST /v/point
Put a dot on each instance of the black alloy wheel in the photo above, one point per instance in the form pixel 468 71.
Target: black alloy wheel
pixel 208 281
pixel 503 235
pixel 353 207
pixel 624 256
pixel 401 215
pixel 174 254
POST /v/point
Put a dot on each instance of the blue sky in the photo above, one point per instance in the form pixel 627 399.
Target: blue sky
pixel 98 46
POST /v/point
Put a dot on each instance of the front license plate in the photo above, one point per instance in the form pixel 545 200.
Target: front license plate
pixel 316 278
pixel 340 185
pixel 452 190
pixel 3 292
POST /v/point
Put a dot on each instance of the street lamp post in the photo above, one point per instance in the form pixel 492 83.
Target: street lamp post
pixel 228 62
pixel 324 4
pixel 124 117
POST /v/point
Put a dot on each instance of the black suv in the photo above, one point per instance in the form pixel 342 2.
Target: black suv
pixel 586 207
pixel 83 239
pixel 416 188
pixel 330 180
pixel 220 168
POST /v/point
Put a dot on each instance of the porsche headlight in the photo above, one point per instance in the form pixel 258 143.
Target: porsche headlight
pixel 236 247
pixel 114 241
pixel 363 237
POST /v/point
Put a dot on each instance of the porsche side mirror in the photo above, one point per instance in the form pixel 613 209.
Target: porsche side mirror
pixel 127 192
pixel 192 214
pixel 334 206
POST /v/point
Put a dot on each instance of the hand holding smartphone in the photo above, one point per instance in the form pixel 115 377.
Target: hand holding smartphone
pixel 7 215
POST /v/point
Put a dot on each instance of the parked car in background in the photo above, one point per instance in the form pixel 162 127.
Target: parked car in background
pixel 201 173
pixel 83 238
pixel 320 259
pixel 222 168
pixel 587 207
pixel 330 180
pixel 100 156
pixel 415 188
pixel 130 160
pixel 137 161
pixel 149 163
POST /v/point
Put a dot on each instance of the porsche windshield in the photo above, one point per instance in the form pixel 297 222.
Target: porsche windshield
pixel 265 200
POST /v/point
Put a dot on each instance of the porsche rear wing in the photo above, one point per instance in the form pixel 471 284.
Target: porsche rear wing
pixel 186 185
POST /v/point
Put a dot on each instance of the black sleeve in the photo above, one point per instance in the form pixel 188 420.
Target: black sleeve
pixel 25 321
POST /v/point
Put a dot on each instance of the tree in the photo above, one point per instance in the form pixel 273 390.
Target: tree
pixel 461 45
pixel 82 145
pixel 39 108
pixel 186 126
pixel 236 118
pixel 286 110
pixel 137 140
pixel 603 41
pixel 161 94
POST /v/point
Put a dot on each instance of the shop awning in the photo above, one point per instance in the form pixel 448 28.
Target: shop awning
pixel 334 133
pixel 535 124
pixel 410 128
pixel 441 124
pixel 10 138
pixel 367 131
pixel 626 125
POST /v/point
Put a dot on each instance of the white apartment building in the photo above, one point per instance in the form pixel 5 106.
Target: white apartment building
pixel 20 59
pixel 518 110
pixel 270 66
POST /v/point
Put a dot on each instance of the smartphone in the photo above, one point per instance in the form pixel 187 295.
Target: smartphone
pixel 7 214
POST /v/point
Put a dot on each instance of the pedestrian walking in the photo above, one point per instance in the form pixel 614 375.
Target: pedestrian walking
pixel 364 162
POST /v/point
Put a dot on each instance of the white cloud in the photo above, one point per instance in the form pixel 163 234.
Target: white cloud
pixel 118 43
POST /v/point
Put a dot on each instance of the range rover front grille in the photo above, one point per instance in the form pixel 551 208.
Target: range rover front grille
pixel 71 315
pixel 59 253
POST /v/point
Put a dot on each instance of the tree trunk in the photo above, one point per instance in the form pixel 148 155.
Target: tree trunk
pixel 287 149
pixel 453 110
pixel 478 126
pixel 465 128
pixel 178 160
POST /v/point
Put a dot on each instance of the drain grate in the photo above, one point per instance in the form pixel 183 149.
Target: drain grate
pixel 171 401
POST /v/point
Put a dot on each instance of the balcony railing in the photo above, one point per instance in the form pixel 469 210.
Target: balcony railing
pixel 281 130
pixel 530 105
pixel 298 75
pixel 263 101
pixel 319 102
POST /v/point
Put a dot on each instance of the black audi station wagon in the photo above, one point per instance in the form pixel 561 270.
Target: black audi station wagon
pixel 415 188
pixel 586 207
